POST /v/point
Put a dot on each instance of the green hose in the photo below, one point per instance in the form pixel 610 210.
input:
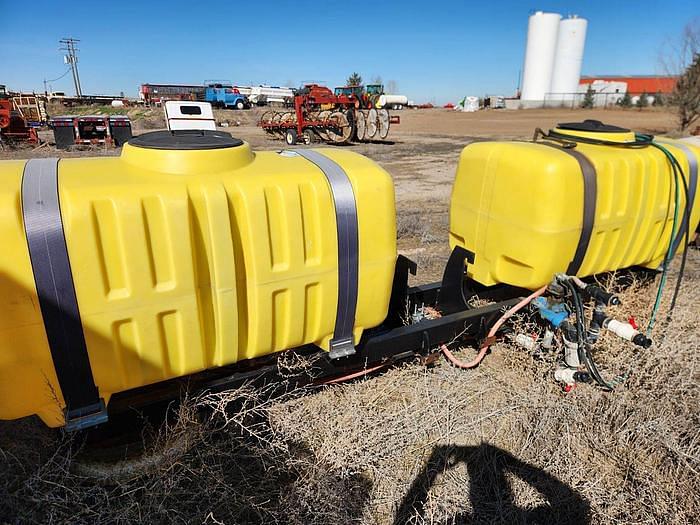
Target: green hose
pixel 643 140
pixel 669 252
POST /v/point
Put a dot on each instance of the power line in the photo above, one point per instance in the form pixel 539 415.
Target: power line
pixel 72 60
pixel 55 79
pixel 59 78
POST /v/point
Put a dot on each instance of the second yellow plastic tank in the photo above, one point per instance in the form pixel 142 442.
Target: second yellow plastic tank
pixel 519 207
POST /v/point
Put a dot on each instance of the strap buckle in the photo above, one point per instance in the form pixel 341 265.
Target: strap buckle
pixel 85 417
pixel 341 348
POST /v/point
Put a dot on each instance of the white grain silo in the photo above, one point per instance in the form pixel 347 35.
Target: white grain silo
pixel 568 58
pixel 542 31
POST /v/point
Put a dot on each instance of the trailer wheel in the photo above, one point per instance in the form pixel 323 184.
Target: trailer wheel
pixel 308 136
pixel 323 129
pixel 371 126
pixel 383 122
pixel 240 105
pixel 360 125
pixel 290 137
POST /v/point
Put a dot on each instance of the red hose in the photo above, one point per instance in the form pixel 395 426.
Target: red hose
pixel 354 374
pixel 482 352
pixel 449 355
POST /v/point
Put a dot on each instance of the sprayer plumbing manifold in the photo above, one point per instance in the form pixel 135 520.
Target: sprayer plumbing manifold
pixel 561 315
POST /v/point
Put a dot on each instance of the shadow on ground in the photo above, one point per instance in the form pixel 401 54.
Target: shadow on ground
pixel 491 495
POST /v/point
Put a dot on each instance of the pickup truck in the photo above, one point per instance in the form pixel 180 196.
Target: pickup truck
pixel 228 97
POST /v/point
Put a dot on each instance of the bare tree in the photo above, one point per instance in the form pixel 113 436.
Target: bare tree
pixel 392 87
pixel 682 59
pixel 687 95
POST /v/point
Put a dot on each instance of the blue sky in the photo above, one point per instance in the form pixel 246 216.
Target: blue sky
pixel 434 51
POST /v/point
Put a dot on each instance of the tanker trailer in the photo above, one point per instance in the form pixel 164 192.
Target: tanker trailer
pixel 392 101
pixel 191 254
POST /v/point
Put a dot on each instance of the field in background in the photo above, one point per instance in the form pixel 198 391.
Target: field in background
pixel 500 444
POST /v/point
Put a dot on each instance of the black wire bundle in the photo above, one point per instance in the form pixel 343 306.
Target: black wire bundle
pixel 584 349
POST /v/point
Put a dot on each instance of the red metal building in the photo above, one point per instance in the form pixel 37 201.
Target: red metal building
pixel 639 83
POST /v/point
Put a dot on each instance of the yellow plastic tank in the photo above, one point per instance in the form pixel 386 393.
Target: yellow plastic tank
pixel 519 206
pixel 190 253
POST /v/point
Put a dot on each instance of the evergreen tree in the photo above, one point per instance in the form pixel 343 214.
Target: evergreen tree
pixel 658 99
pixel 354 80
pixel 642 101
pixel 625 101
pixel 588 99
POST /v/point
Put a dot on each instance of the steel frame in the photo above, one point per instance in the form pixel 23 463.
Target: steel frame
pixel 393 341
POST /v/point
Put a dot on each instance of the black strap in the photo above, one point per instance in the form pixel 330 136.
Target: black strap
pixel 692 190
pixel 346 220
pixel 590 192
pixel 56 292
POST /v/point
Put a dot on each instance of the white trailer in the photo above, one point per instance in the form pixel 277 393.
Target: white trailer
pixel 265 95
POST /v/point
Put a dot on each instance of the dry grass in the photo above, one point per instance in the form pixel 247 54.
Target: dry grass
pixel 500 444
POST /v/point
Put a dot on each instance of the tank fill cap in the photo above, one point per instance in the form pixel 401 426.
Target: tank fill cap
pixel 186 140
pixel 595 126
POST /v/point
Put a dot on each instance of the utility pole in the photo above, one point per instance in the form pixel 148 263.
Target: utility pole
pixel 72 60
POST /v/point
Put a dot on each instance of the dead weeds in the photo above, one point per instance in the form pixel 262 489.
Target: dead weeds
pixel 499 444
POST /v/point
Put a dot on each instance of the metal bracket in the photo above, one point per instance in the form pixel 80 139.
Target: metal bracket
pixel 425 343
pixel 341 348
pixel 692 180
pixel 86 417
pixel 53 277
pixel 451 295
pixel 399 291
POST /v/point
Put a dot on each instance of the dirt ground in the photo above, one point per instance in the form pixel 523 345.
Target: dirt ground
pixel 498 444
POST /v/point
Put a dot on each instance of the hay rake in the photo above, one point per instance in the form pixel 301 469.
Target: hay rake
pixel 319 115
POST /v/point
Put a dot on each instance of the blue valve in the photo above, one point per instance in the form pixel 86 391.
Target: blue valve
pixel 554 312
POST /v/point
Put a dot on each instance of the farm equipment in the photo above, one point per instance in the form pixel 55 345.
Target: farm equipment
pixel 321 115
pixel 380 99
pixel 373 96
pixel 13 126
pixel 191 262
pixel 31 108
pixel 112 130
pixel 225 97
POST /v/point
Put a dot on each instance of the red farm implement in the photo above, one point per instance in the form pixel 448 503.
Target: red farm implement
pixel 13 125
pixel 321 115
